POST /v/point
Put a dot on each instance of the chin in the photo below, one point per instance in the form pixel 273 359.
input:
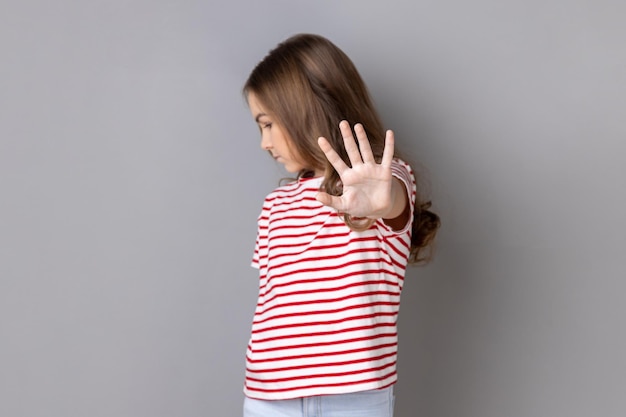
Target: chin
pixel 293 170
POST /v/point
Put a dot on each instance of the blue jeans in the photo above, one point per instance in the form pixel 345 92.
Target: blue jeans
pixel 374 403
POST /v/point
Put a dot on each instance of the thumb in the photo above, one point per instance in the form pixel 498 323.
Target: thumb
pixel 329 200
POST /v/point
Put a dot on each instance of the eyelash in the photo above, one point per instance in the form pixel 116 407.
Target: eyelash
pixel 267 126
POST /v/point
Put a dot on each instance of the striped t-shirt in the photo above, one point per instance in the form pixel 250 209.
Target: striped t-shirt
pixel 325 322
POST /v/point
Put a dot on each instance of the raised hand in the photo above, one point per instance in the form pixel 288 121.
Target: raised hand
pixel 368 189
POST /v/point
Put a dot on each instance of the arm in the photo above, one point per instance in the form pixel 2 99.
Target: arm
pixel 398 216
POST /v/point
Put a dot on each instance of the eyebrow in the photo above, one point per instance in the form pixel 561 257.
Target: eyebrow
pixel 258 116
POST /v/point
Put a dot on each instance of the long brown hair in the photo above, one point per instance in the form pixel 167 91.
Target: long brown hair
pixel 309 85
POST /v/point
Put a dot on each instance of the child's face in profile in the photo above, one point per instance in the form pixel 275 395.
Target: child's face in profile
pixel 273 138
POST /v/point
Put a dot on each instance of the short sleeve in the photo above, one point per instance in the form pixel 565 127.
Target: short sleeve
pixel 402 171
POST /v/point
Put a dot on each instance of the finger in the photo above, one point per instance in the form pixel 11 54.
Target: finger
pixel 330 200
pixel 332 156
pixel 389 149
pixel 349 143
pixel 364 144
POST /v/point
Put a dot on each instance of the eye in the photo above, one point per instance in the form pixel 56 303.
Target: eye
pixel 267 125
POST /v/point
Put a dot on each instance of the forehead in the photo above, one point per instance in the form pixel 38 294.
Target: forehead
pixel 256 108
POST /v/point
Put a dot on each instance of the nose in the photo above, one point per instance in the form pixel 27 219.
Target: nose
pixel 266 143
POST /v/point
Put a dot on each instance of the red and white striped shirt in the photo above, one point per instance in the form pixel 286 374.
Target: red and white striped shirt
pixel 325 322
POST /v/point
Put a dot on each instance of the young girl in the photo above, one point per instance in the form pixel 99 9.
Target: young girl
pixel 332 245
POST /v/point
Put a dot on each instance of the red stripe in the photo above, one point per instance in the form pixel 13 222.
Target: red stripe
pixel 309 247
pixel 325 375
pixel 330 267
pixel 317 365
pixel 325 290
pixel 317 355
pixel 263 288
pixel 336 384
pixel 303 235
pixel 330 300
pixel 338 310
pixel 324 323
pixel 293 226
pixel 289 193
pixel 332 343
pixel 320 259
pixel 327 333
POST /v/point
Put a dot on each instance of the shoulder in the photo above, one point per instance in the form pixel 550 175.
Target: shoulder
pixel 292 190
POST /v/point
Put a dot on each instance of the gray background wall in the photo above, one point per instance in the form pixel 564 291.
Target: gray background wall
pixel 131 178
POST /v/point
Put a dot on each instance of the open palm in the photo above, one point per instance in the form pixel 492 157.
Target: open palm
pixel 366 184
